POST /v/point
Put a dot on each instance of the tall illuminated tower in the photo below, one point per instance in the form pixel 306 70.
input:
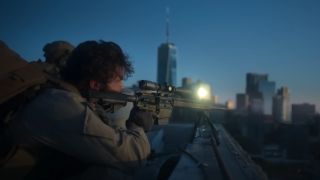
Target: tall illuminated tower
pixel 167 60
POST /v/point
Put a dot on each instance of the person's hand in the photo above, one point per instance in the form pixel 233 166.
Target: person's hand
pixel 141 118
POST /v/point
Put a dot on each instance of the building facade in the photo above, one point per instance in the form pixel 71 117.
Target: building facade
pixel 267 90
pixel 303 113
pixel 252 87
pixel 256 103
pixel 167 64
pixel 281 111
pixel 242 102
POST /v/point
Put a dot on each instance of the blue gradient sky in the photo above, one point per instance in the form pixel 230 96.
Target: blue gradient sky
pixel 218 41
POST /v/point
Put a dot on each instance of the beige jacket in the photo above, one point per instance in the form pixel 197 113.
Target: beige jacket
pixel 62 120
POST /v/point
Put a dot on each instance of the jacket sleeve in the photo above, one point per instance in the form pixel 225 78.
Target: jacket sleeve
pixel 123 148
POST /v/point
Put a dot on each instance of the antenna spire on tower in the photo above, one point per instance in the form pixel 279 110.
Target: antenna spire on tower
pixel 167 24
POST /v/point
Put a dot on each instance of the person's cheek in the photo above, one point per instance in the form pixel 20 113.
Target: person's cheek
pixel 121 85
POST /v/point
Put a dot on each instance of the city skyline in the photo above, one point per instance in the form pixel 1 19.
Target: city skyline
pixel 218 41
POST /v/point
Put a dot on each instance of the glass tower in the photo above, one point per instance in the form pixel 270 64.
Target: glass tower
pixel 281 105
pixel 252 85
pixel 267 90
pixel 167 60
pixel 167 64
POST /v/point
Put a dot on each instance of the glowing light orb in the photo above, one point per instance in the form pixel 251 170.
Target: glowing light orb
pixel 203 93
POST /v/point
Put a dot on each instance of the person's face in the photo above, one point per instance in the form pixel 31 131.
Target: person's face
pixel 116 84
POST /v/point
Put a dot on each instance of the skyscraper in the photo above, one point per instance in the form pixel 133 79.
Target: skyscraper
pixel 252 81
pixel 252 89
pixel 267 90
pixel 280 110
pixel 167 64
pixel 167 60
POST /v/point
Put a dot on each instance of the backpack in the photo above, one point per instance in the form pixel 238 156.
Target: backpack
pixel 19 82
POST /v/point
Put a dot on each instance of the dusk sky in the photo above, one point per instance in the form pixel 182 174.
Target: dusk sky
pixel 218 41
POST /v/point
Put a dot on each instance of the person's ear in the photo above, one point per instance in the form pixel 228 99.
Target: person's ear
pixel 95 85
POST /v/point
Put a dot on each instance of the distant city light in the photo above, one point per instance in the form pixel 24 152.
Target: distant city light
pixel 203 93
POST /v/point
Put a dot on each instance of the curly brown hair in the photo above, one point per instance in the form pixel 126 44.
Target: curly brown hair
pixel 96 60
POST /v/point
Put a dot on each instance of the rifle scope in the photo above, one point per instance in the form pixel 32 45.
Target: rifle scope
pixel 149 85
